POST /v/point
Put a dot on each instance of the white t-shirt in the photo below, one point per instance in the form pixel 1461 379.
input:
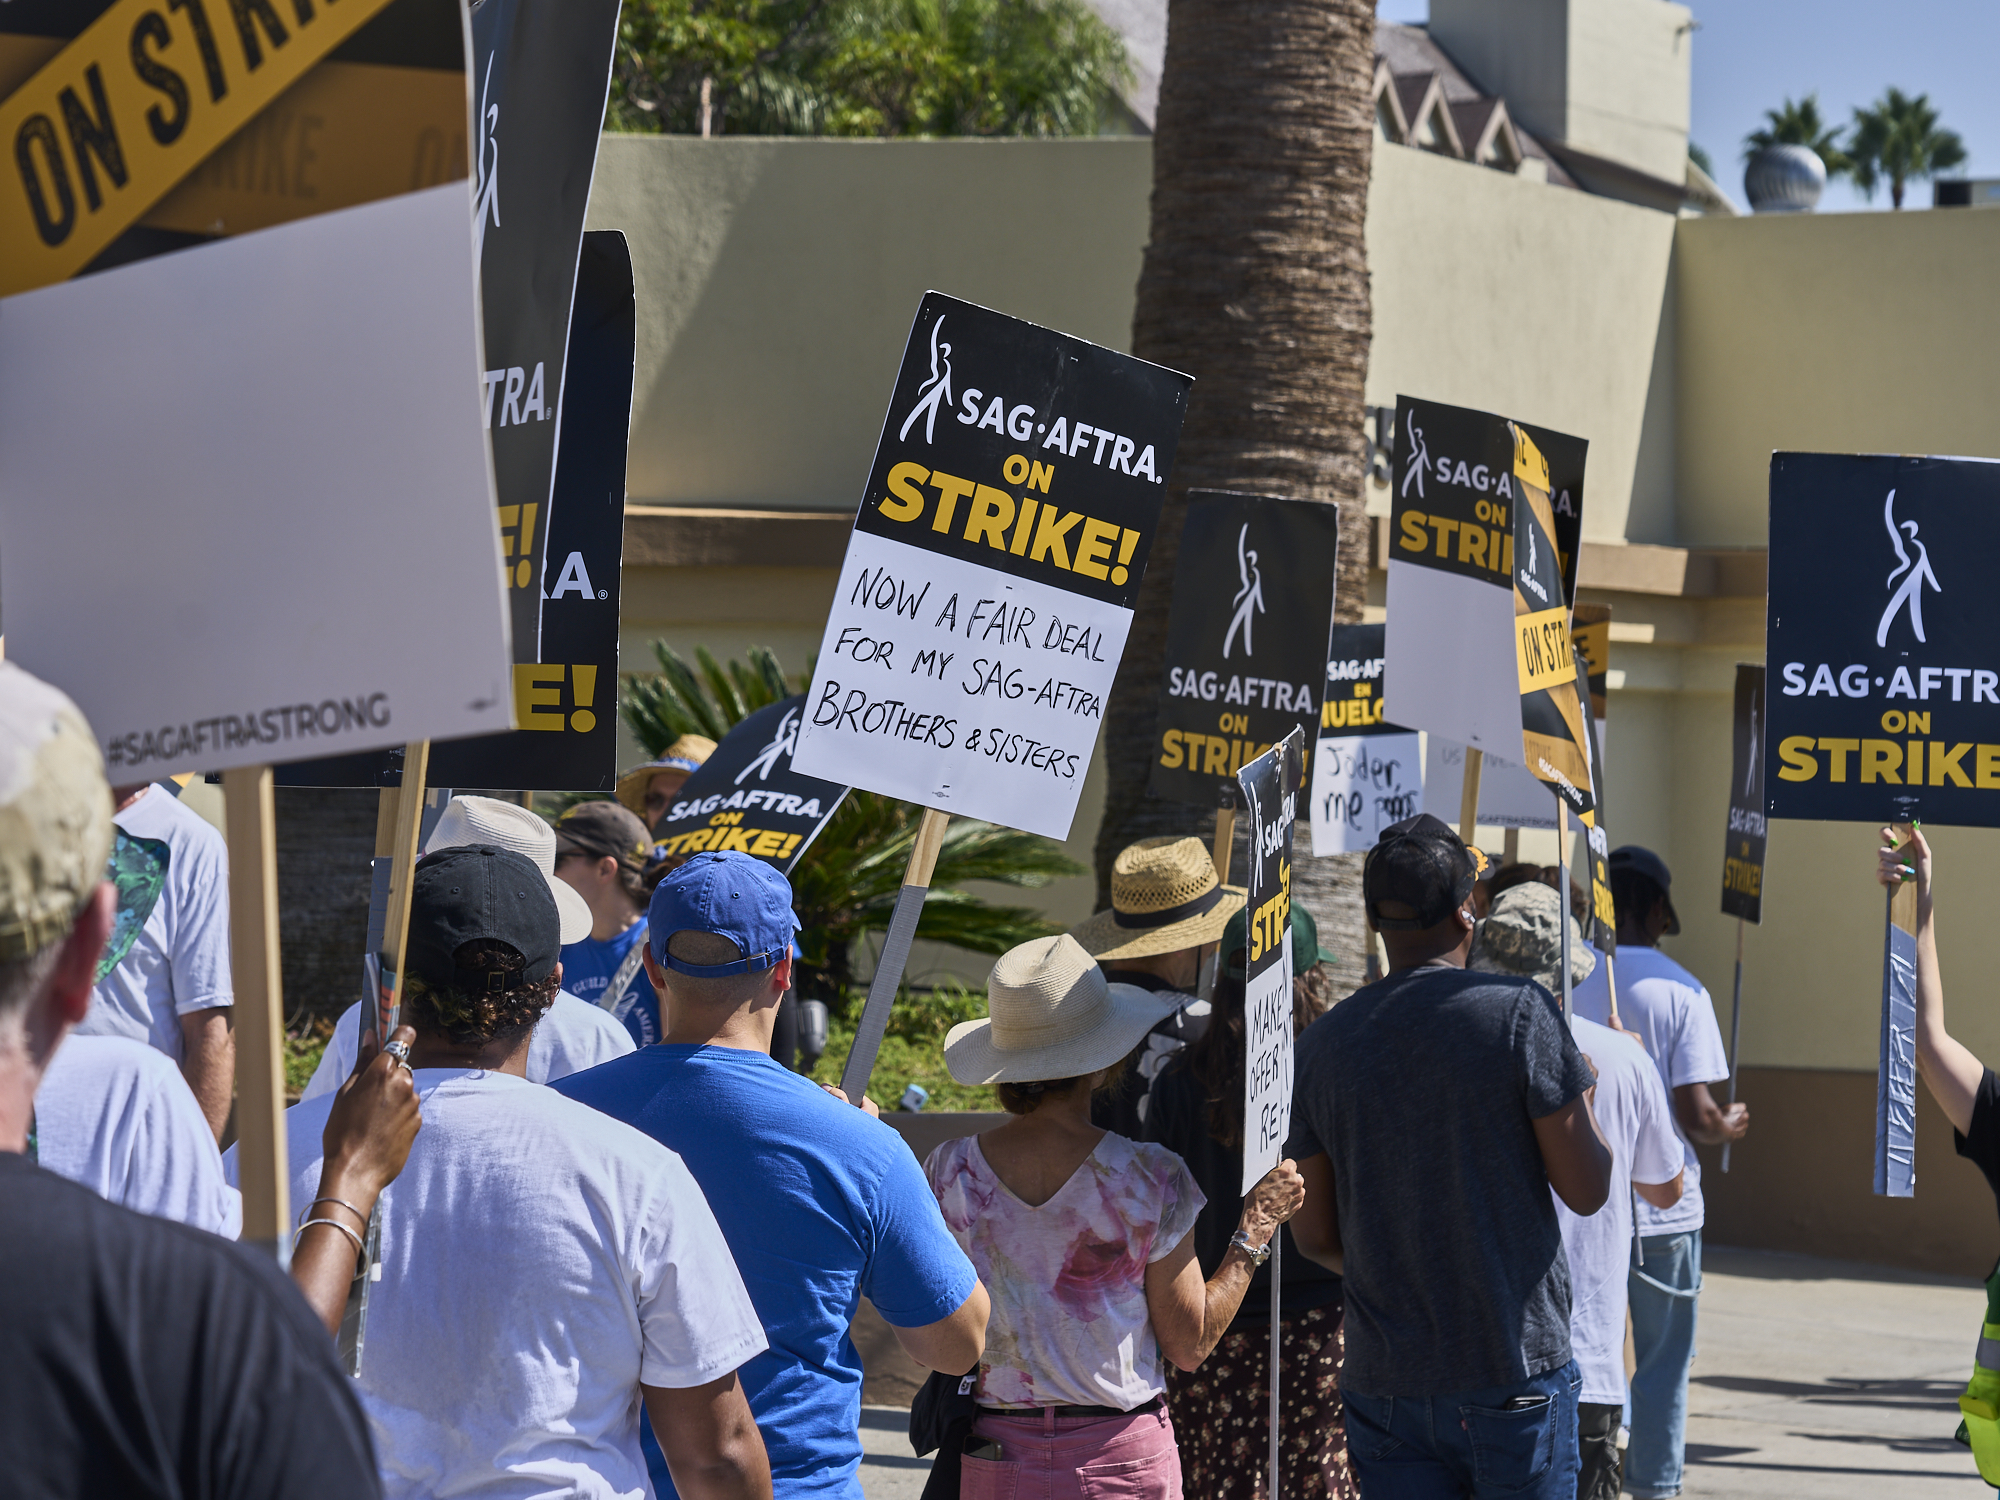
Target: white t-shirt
pixel 116 1116
pixel 179 959
pixel 540 1261
pixel 1638 1123
pixel 574 1035
pixel 1675 1022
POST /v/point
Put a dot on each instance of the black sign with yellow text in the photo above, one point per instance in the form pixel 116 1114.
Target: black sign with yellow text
pixel 1455 491
pixel 565 710
pixel 1743 851
pixel 1556 740
pixel 1246 657
pixel 747 797
pixel 1882 629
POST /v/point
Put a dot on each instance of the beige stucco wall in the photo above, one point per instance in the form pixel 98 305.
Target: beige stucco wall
pixel 777 280
pixel 1828 333
pixel 1507 295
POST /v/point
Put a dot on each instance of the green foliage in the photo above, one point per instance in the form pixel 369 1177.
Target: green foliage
pixel 865 67
pixel 846 884
pixel 912 1051
pixel 1799 124
pixel 1700 158
pixel 1897 139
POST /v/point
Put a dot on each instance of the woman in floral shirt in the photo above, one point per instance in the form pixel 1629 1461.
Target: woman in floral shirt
pixel 1082 1241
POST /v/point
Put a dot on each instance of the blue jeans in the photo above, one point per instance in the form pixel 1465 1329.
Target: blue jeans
pixel 1468 1446
pixel 1664 1294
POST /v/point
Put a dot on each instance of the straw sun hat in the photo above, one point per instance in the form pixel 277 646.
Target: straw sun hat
pixel 1050 1014
pixel 1164 897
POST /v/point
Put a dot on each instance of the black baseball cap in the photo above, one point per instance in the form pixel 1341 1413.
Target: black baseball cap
pixel 1421 864
pixel 1636 860
pixel 478 891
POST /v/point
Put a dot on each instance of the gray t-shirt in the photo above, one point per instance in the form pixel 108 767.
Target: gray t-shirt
pixel 1422 1088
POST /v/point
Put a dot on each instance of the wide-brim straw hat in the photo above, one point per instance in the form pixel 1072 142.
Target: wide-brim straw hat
pixel 506 825
pixel 1164 897
pixel 685 754
pixel 1050 1014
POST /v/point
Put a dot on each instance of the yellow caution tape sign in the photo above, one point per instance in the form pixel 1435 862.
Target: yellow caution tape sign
pixel 109 125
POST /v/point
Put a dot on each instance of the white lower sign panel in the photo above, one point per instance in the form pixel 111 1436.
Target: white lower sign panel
pixel 1362 783
pixel 968 690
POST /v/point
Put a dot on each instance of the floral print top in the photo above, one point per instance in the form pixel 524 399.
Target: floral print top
pixel 1068 1279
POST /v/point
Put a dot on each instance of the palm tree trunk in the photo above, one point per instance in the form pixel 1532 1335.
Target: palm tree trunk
pixel 1256 283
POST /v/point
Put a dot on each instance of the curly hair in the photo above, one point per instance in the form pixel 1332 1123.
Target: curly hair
pixel 485 1016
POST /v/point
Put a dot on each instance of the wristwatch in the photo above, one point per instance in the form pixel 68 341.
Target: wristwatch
pixel 1258 1253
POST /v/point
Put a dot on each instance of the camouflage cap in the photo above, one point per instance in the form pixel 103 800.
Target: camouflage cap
pixel 1523 934
pixel 55 814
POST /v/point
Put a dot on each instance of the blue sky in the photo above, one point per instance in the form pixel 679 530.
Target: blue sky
pixel 1750 54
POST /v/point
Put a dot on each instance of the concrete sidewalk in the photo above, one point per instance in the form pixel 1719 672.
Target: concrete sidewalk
pixel 1829 1379
pixel 1814 1378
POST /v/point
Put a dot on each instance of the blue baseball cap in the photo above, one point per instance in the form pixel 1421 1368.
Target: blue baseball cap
pixel 731 895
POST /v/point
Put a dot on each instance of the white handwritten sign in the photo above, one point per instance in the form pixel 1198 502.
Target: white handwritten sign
pixel 1366 772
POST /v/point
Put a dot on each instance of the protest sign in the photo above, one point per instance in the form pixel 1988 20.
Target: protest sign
pixel 1555 716
pixel 241 639
pixel 1366 772
pixel 1509 794
pixel 976 629
pixel 1743 848
pixel 541 72
pixel 1896 1069
pixel 1246 654
pixel 747 796
pixel 566 704
pixel 1270 787
pixel 1449 668
pixel 1743 844
pixel 1881 630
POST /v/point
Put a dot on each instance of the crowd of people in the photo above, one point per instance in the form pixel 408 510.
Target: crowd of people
pixel 622 1242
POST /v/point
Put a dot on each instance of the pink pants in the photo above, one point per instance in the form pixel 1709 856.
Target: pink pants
pixel 1046 1457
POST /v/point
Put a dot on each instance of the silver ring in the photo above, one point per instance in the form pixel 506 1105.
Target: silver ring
pixel 400 1050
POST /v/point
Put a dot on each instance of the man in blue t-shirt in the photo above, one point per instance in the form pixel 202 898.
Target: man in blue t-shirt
pixel 821 1205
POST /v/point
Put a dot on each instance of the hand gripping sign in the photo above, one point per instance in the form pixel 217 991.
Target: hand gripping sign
pixel 991 574
pixel 748 797
pixel 1246 637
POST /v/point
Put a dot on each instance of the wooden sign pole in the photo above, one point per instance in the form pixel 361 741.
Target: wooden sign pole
pixel 1468 796
pixel 409 818
pixel 250 826
pixel 895 955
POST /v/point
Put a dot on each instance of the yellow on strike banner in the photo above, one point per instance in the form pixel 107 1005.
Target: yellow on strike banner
pixel 110 124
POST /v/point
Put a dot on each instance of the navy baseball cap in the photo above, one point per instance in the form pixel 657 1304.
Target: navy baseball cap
pixel 1422 864
pixel 476 891
pixel 731 895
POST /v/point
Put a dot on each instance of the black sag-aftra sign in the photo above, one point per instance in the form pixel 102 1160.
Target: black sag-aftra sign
pixel 1269 787
pixel 1246 638
pixel 1883 643
pixel 1743 849
pixel 746 797
pixel 990 578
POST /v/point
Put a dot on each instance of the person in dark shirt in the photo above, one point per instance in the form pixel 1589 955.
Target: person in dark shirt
pixel 138 1357
pixel 1434 1111
pixel 1220 1410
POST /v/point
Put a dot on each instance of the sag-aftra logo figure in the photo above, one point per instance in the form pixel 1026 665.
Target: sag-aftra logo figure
pixel 1914 573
